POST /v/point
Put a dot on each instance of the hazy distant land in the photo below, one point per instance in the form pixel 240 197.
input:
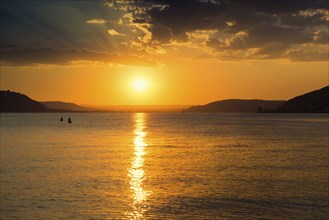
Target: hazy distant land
pixel 17 102
pixel 236 105
pixel 65 106
pixel 313 102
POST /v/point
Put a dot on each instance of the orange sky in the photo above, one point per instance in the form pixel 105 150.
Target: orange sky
pixel 94 56
pixel 175 84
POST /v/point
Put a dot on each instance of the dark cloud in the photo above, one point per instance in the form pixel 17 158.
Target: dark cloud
pixel 306 56
pixel 270 27
pixel 321 37
pixel 140 20
pixel 187 15
pixel 272 50
pixel 293 20
pixel 235 43
pixel 184 16
pixel 161 33
pixel 48 56
pixel 262 34
pixel 277 6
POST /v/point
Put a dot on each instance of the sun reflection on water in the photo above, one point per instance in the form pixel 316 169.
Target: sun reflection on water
pixel 136 172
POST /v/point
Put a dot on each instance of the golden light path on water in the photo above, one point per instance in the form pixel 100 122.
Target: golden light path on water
pixel 136 172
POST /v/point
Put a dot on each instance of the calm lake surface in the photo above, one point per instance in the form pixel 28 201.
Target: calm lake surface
pixel 164 166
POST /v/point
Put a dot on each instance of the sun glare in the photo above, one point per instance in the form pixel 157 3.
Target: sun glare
pixel 140 85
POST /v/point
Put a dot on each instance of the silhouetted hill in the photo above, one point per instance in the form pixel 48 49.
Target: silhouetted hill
pixel 236 105
pixel 65 106
pixel 312 102
pixel 16 102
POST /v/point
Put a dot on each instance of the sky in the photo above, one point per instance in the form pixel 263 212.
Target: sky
pixel 163 52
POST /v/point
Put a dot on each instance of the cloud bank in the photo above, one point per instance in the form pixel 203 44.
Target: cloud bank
pixel 295 30
pixel 250 29
pixel 48 56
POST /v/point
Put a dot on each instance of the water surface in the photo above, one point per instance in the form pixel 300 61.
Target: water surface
pixel 164 166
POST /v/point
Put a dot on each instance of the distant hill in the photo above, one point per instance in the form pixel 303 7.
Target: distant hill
pixel 236 105
pixel 16 102
pixel 312 102
pixel 65 106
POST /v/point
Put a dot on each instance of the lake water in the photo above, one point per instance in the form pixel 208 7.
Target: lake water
pixel 164 166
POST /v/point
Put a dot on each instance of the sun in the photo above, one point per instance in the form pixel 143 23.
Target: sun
pixel 140 85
